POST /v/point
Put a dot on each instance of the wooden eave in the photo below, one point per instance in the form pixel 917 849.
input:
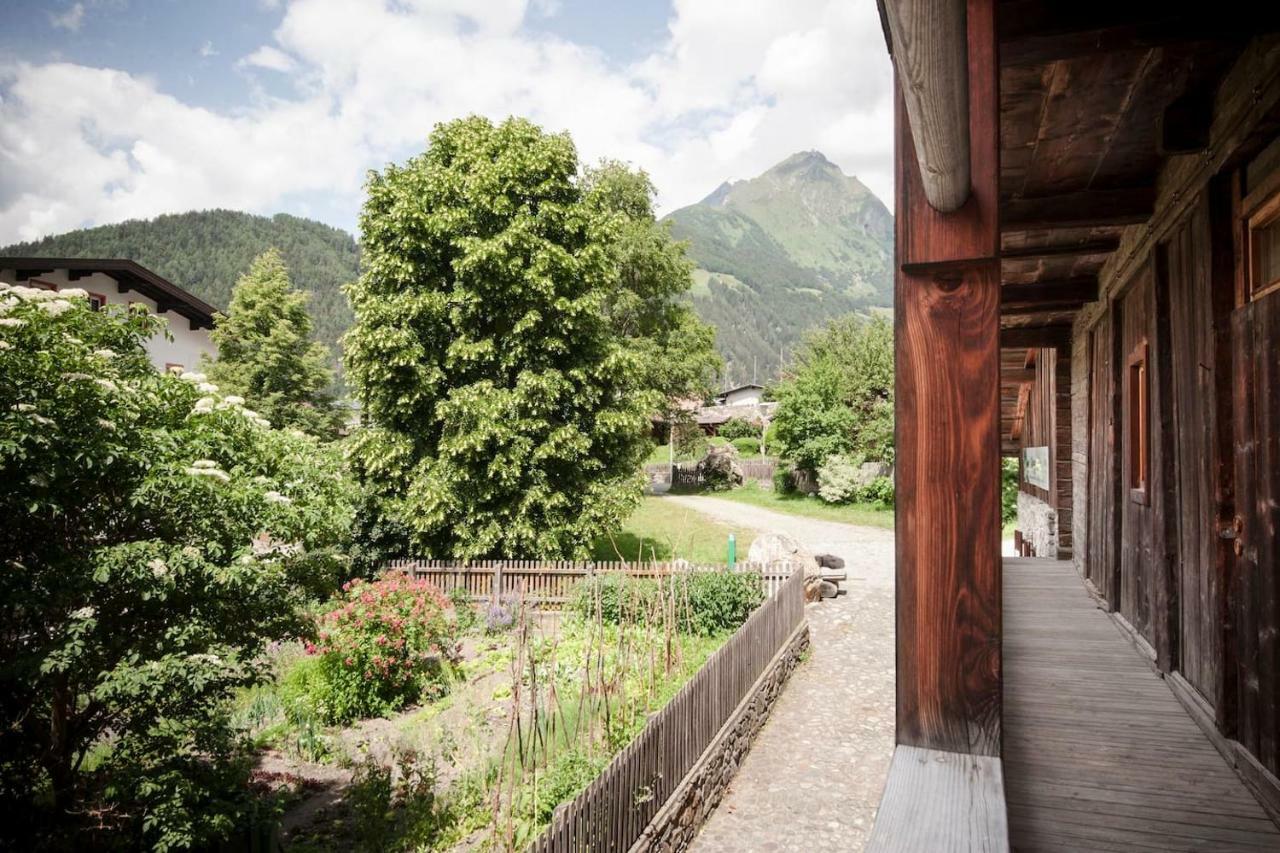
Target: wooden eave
pixel 130 275
pixel 1094 97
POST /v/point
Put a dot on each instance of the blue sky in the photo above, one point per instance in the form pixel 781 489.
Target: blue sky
pixel 114 109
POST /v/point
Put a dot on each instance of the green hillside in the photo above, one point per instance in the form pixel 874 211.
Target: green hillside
pixel 206 251
pixel 783 252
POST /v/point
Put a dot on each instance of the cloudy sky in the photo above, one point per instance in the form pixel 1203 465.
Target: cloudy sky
pixel 116 109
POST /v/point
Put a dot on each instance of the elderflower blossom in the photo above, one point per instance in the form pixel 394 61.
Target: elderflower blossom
pixel 56 307
pixel 204 405
pixel 188 376
pixel 207 388
pixel 276 498
pixel 104 353
pixel 75 376
pixel 204 657
pixel 5 345
pixel 83 613
pixel 106 424
pixel 204 463
pixel 74 293
pixel 158 567
pixel 233 400
pixel 12 322
pixel 108 385
pixel 190 551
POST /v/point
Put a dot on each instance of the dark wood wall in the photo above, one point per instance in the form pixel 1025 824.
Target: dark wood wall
pixel 1255 590
pixel 1195 568
pixel 1192 374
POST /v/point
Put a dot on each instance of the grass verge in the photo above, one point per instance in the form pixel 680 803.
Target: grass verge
pixel 661 530
pixel 865 515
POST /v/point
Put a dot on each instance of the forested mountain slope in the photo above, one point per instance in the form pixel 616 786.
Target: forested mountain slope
pixel 205 252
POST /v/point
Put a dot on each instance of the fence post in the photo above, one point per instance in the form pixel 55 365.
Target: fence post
pixel 497 581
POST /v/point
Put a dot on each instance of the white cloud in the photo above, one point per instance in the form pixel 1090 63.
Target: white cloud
pixel 738 85
pixel 270 58
pixel 207 50
pixel 69 20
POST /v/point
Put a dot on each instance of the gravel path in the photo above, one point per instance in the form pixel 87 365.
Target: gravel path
pixel 813 778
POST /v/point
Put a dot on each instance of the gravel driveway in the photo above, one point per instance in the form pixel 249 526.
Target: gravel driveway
pixel 813 778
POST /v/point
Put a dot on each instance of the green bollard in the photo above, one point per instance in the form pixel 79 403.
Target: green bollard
pixel 733 550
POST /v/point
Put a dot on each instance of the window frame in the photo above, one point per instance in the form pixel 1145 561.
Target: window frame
pixel 1259 209
pixel 1137 396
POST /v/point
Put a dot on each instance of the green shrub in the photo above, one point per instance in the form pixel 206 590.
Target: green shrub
pixel 838 479
pixel 617 598
pixel 383 645
pixel 739 428
pixel 708 602
pixel 719 601
pixel 784 482
pixel 747 446
pixel 1008 489
pixel 879 492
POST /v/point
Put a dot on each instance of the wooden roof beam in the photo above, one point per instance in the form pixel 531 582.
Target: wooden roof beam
pixel 1082 209
pixel 1104 246
pixel 1067 294
pixel 929 44
pixel 1055 336
pixel 1035 33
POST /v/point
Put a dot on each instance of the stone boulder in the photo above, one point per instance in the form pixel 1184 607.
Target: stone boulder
pixel 719 469
pixel 779 549
pixel 870 471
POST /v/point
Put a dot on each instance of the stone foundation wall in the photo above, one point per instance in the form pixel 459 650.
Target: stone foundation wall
pixel 1039 525
pixel 678 821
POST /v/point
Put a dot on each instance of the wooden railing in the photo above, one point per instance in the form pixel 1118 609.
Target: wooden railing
pixel 549 584
pixel 614 810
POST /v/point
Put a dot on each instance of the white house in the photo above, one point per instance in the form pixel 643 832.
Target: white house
pixel 743 395
pixel 123 282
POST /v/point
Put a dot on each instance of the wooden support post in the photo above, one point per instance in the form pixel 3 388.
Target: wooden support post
pixel 947 294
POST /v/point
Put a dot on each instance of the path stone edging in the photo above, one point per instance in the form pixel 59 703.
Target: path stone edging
pixel 678 821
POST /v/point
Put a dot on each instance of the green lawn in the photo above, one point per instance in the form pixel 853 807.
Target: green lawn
pixel 810 507
pixel 662 530
pixel 661 453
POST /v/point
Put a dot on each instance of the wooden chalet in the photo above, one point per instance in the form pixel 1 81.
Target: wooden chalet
pixel 1088 278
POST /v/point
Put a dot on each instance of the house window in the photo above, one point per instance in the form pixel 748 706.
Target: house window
pixel 173 367
pixel 96 301
pixel 1264 247
pixel 41 284
pixel 1138 407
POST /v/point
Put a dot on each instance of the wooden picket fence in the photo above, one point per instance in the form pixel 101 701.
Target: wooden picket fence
pixel 610 815
pixel 549 583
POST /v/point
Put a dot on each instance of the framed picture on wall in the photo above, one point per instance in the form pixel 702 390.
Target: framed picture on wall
pixel 1035 466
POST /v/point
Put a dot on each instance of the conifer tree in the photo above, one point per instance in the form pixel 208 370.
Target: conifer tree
pixel 267 353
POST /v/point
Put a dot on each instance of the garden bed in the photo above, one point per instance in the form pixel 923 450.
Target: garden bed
pixel 533 707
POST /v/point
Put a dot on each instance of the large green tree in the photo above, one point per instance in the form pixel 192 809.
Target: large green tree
pixel 267 353
pixel 837 396
pixel 498 357
pixel 649 306
pixel 158 536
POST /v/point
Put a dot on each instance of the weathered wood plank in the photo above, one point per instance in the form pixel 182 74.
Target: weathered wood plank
pixel 941 801
pixel 1099 753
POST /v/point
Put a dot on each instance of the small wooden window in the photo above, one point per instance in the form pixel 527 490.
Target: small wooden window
pixel 96 301
pixel 1263 234
pixel 1138 407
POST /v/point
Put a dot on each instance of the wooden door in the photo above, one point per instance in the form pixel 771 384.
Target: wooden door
pixel 1190 365
pixel 1102 530
pixel 1255 331
pixel 1138 413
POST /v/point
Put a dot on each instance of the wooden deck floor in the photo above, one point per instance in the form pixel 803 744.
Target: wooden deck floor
pixel 1098 753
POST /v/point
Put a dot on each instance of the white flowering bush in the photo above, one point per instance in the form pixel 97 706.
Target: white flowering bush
pixel 838 479
pixel 157 536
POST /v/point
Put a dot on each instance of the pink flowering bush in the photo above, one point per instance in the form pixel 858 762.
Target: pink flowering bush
pixel 381 646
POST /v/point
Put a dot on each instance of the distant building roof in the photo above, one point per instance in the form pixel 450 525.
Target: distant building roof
pixel 749 386
pixel 130 275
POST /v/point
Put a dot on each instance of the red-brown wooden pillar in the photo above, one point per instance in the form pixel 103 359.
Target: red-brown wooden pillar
pixel 947 298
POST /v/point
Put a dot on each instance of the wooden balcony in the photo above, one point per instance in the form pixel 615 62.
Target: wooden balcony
pixel 1098 752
